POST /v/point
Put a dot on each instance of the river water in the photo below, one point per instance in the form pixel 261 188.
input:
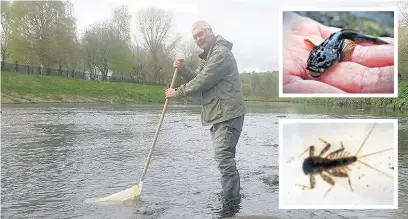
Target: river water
pixel 55 156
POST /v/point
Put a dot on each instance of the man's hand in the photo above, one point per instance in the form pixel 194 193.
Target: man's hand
pixel 170 93
pixel 371 69
pixel 179 64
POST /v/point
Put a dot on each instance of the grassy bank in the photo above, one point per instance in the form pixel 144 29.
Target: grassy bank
pixel 263 99
pixel 25 88
pixel 398 103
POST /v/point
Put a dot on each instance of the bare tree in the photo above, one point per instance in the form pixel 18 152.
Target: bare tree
pixel 98 44
pixel 5 28
pixel 190 52
pixel 121 22
pixel 154 26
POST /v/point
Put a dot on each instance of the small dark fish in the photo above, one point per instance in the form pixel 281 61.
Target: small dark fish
pixel 339 46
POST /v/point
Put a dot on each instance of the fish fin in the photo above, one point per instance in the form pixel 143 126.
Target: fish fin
pixel 309 44
pixel 347 50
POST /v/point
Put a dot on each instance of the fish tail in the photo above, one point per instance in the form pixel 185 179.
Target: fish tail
pixel 379 41
pixel 360 37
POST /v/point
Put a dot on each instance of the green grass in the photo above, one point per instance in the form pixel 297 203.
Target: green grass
pixel 54 88
pixel 400 102
pixel 23 88
pixel 269 99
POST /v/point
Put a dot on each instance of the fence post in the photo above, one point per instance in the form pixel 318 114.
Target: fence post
pixel 28 69
pixel 16 66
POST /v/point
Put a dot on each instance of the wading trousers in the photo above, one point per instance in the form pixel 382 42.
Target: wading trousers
pixel 225 136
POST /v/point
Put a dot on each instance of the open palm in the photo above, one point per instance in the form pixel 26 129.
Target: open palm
pixel 371 69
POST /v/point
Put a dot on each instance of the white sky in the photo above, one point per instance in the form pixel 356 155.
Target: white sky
pixel 252 26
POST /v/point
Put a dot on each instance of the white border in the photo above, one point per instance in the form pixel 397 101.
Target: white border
pixel 280 33
pixel 288 121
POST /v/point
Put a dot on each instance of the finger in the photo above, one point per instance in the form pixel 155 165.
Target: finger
pixel 314 28
pixel 355 78
pixel 294 64
pixel 326 31
pixel 374 56
pixel 310 86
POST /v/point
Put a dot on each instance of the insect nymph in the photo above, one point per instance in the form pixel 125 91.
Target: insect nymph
pixel 335 164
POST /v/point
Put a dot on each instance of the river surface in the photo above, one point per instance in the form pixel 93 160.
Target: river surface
pixel 55 156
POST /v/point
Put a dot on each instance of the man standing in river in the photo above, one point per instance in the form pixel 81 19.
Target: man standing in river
pixel 223 106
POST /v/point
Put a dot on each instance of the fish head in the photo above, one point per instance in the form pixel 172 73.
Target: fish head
pixel 320 59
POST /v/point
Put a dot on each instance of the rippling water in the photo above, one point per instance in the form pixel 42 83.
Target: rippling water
pixel 53 157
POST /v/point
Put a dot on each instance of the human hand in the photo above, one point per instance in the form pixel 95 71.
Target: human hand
pixel 370 70
pixel 170 93
pixel 178 64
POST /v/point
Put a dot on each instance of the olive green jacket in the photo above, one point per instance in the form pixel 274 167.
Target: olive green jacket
pixel 218 81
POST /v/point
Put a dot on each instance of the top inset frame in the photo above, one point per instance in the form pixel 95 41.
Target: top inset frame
pixel 350 63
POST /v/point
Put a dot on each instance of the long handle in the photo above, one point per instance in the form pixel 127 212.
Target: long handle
pixel 158 127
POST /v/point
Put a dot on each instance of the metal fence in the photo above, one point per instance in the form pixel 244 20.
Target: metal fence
pixel 28 69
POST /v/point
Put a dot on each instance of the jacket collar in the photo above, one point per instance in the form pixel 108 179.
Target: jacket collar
pixel 204 54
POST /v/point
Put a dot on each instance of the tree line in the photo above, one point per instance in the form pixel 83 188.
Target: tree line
pixel 44 33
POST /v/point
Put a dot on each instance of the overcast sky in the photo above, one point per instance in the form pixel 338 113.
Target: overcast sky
pixel 252 26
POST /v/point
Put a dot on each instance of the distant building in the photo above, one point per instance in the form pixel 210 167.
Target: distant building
pixel 98 74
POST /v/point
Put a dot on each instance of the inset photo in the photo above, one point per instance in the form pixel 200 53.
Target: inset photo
pixel 338 52
pixel 338 164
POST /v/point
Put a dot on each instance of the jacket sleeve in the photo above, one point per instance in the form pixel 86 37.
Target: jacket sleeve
pixel 211 74
pixel 187 74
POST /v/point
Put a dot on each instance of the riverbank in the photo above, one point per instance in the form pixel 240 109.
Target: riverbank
pixel 24 88
pixel 400 103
